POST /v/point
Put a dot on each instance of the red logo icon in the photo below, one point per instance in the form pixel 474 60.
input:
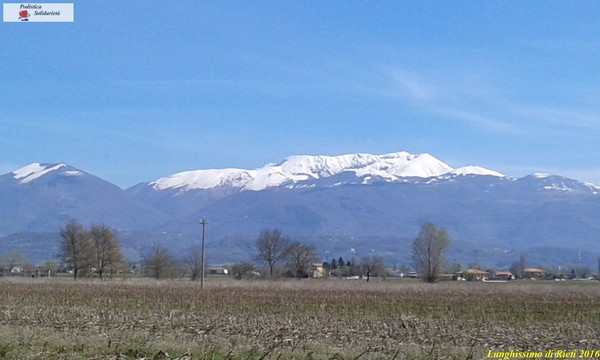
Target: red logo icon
pixel 24 15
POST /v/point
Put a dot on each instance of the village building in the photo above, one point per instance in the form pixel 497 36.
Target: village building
pixel 411 275
pixel 218 271
pixel 317 270
pixel 533 273
pixel 504 275
pixel 16 270
pixel 474 274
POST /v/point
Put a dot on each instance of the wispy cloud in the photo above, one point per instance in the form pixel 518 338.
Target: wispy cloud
pixel 486 104
pixel 478 120
pixel 563 117
pixel 447 99
pixel 412 87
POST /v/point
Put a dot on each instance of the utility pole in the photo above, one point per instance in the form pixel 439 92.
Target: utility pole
pixel 203 222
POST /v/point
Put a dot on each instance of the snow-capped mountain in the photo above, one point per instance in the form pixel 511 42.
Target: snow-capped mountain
pixel 36 170
pixel 40 172
pixel 41 197
pixel 296 170
pixel 475 170
pixel 356 200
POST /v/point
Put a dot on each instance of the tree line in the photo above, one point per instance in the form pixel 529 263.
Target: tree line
pixel 97 251
pixel 160 263
pixel 280 256
pixel 275 256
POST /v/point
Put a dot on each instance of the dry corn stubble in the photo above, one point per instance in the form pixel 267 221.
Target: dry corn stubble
pixel 318 319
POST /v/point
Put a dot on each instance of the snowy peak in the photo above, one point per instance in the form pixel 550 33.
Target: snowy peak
pixel 422 166
pixel 475 170
pixel 555 183
pixel 300 169
pixel 34 171
pixel 204 179
pixel 324 166
pixel 540 175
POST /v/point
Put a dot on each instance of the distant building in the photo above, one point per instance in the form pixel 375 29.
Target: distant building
pixel 411 275
pixel 533 273
pixel 218 271
pixel 504 275
pixel 317 270
pixel 474 274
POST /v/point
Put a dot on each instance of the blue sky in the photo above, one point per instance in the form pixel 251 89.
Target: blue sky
pixel 133 91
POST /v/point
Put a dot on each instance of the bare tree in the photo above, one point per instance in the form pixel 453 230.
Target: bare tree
pixel 517 267
pixel 106 250
pixel 429 250
pixel 159 262
pixel 272 247
pixel 522 265
pixel 75 247
pixel 193 262
pixel 300 258
pixel 372 266
pixel 242 270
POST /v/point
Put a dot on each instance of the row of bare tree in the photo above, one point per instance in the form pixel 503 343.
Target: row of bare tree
pixel 274 249
pixel 278 254
pixel 429 249
pixel 160 263
pixel 96 250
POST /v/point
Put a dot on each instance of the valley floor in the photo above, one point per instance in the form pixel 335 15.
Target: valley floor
pixel 318 319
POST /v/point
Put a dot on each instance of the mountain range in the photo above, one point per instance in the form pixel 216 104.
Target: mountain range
pixel 349 205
